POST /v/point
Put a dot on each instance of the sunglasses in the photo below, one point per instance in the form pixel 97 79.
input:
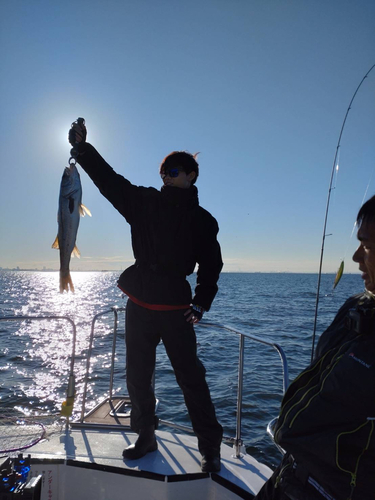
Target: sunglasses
pixel 173 172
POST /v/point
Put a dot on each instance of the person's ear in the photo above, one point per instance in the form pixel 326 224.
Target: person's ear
pixel 191 176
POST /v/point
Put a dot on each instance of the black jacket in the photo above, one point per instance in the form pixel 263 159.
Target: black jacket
pixel 327 418
pixel 170 234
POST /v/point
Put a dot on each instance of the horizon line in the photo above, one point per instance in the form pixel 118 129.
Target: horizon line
pixel 48 270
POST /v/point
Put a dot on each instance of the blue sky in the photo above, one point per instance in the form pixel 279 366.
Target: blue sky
pixel 259 87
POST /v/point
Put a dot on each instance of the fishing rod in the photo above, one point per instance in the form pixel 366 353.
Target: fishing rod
pixel 326 214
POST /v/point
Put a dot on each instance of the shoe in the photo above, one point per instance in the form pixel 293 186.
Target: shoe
pixel 145 443
pixel 210 463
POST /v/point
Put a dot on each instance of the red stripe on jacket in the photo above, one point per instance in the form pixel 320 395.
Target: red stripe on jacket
pixel 155 307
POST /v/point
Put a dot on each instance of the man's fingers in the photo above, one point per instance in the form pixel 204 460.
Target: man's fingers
pixel 78 131
pixel 192 319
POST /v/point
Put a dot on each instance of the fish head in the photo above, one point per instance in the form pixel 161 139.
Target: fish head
pixel 70 182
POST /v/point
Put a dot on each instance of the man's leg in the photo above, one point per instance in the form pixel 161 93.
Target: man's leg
pixel 180 343
pixel 141 342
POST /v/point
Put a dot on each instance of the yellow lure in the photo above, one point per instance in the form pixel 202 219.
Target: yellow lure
pixel 339 274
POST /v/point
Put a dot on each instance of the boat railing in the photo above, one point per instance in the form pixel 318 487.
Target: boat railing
pixel 237 441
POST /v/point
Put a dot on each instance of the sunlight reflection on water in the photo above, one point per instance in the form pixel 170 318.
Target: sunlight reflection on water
pixel 41 350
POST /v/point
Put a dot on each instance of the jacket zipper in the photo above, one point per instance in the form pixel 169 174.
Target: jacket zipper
pixel 353 475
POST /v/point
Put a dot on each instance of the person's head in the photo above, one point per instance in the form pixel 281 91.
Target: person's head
pixel 179 169
pixel 365 253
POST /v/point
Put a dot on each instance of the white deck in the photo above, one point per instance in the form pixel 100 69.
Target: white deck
pixel 177 459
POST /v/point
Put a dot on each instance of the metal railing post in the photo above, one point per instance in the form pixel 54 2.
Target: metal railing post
pixel 238 441
pixel 114 309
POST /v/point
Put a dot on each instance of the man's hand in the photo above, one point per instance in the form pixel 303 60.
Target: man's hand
pixel 77 132
pixel 194 315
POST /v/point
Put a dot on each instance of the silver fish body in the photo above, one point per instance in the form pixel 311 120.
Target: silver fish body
pixel 69 211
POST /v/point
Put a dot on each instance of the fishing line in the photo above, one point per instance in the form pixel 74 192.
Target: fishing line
pixel 335 177
pixel 333 188
pixel 341 267
pixel 327 209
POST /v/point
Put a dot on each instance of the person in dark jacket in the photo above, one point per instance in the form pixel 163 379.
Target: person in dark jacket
pixel 327 418
pixel 171 233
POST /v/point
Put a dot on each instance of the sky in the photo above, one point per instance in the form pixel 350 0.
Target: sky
pixel 259 87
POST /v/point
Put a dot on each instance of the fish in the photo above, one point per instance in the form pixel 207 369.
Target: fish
pixel 339 275
pixel 69 211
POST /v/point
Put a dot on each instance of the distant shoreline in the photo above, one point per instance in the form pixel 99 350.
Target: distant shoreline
pixel 121 270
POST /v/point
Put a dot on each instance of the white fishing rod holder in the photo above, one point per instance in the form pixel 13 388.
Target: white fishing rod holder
pixel 71 380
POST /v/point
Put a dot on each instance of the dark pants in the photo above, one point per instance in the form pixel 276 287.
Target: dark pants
pixel 144 329
pixel 287 483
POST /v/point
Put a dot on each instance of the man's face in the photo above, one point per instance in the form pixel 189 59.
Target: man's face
pixel 365 254
pixel 176 177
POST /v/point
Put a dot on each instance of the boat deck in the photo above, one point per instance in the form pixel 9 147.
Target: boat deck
pixel 110 412
pixel 177 458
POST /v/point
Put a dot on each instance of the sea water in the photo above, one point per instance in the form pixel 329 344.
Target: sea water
pixel 35 355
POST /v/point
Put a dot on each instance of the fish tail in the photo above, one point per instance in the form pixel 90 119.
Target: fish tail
pixel 55 244
pixel 66 283
pixel 76 252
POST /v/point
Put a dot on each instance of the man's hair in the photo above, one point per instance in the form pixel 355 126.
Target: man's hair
pixel 366 212
pixel 181 159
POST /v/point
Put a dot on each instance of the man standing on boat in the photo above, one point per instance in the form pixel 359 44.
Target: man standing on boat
pixel 171 233
pixel 327 418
